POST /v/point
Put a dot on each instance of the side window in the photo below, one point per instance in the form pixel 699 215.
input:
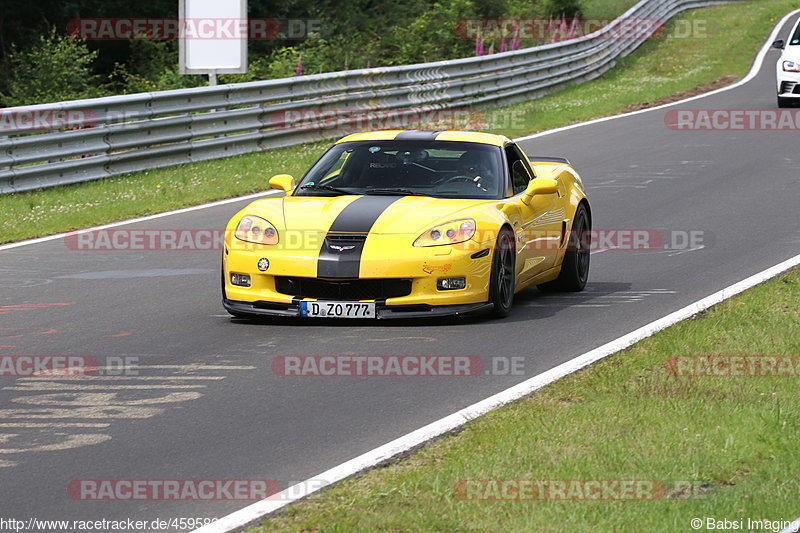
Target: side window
pixel 519 176
pixel 518 170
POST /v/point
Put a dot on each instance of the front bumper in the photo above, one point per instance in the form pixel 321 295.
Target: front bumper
pixel 386 259
pixel 382 311
pixel 788 84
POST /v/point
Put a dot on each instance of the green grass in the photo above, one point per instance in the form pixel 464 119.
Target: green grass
pixel 605 9
pixel 658 69
pixel 622 418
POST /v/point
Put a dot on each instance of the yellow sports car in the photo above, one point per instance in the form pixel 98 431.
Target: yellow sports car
pixel 415 223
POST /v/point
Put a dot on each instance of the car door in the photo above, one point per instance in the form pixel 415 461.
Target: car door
pixel 538 223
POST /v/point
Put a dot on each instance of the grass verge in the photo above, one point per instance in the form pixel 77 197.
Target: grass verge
pixel 721 45
pixel 625 418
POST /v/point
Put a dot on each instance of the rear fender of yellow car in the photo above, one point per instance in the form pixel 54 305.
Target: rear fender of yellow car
pixel 570 189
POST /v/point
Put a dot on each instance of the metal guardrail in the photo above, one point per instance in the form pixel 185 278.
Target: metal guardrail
pixel 128 133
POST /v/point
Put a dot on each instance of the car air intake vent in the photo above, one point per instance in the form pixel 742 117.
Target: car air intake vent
pixel 789 87
pixel 357 289
pixel 346 238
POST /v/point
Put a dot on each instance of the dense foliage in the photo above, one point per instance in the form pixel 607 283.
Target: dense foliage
pixel 40 63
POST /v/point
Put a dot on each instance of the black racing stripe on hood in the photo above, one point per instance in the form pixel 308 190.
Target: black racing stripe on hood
pixel 350 229
pixel 417 135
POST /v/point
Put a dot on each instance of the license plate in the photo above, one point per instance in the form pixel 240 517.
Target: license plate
pixel 338 309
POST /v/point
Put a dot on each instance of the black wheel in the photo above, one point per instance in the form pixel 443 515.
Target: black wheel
pixel 501 287
pixel 784 102
pixel 575 268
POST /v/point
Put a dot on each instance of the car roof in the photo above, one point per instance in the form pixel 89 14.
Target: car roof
pixel 431 135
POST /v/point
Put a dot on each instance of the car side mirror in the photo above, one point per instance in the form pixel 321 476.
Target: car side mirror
pixel 282 182
pixel 779 44
pixel 539 186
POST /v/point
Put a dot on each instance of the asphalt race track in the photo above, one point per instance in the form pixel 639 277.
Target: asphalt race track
pixel 206 404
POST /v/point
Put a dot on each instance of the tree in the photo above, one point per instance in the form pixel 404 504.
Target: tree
pixel 55 68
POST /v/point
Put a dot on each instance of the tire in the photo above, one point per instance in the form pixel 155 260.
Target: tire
pixel 784 102
pixel 503 282
pixel 575 268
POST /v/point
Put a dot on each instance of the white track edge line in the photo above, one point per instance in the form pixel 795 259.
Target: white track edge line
pixel 252 513
pixel 794 527
pixel 138 219
pixel 754 69
pixel 255 512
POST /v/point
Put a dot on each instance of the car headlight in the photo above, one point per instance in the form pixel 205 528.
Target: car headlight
pixel 256 230
pixel 791 66
pixel 451 232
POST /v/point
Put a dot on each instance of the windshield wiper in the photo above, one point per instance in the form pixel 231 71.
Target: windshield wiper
pixel 318 187
pixel 397 192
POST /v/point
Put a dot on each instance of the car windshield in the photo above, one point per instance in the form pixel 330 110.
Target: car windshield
pixel 442 169
pixel 796 36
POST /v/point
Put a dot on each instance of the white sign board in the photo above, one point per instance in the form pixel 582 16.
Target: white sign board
pixel 213 36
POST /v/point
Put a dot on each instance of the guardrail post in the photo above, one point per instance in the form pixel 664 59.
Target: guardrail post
pixel 2 167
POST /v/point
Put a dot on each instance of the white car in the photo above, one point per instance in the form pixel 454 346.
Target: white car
pixel 788 68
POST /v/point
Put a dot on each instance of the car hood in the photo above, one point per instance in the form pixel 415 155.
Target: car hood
pixel 376 214
pixel 791 53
